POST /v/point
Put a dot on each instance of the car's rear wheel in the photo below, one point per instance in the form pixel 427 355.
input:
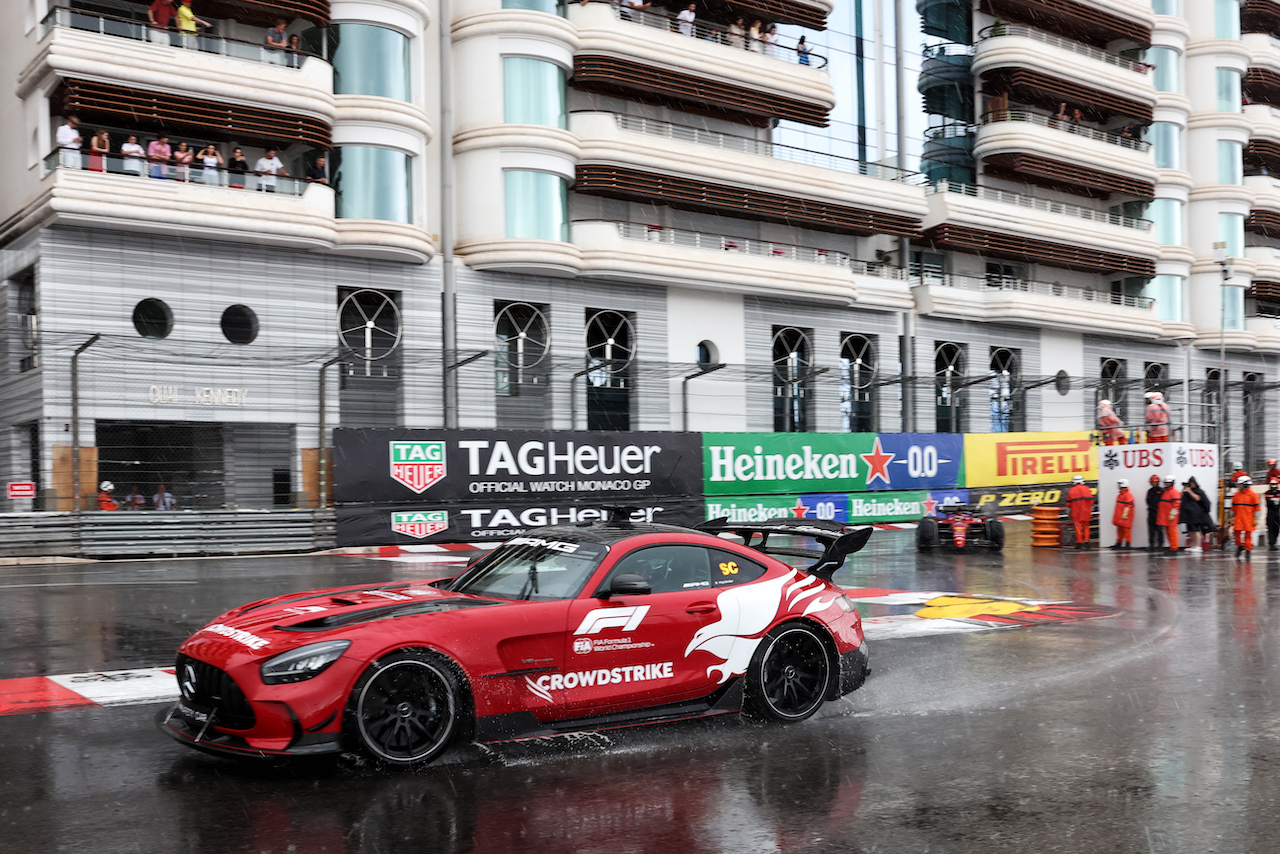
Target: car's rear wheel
pixel 789 676
pixel 927 535
pixel 408 707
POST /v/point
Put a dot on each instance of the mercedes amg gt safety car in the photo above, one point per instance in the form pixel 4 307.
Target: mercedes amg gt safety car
pixel 564 629
pixel 957 526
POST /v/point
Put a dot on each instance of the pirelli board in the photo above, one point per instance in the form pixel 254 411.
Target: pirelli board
pixel 413 486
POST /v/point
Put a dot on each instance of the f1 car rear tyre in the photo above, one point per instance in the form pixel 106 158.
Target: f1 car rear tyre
pixel 927 535
pixel 407 707
pixel 789 676
pixel 995 532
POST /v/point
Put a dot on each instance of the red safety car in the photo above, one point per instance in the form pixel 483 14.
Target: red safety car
pixel 561 630
pixel 958 526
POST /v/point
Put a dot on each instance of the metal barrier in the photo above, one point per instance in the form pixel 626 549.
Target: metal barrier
pixel 180 533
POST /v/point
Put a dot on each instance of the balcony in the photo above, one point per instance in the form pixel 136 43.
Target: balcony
pixel 654 254
pixel 1264 213
pixel 1096 22
pixel 1043 70
pixel 1036 304
pixel 654 161
pixel 999 224
pixel 1260 16
pixel 1020 145
pixel 948 153
pixel 116 193
pixel 118 51
pixel 644 56
pixel 946 81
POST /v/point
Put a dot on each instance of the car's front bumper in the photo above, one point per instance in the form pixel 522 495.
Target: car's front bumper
pixel 177 723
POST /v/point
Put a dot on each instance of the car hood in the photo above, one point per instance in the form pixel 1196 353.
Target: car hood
pixel 271 625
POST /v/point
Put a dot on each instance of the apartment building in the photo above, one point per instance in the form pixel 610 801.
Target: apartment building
pixel 637 240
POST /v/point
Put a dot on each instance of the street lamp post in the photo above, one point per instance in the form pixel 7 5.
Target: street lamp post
pixel 1227 264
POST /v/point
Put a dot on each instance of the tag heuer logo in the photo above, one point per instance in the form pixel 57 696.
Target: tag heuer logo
pixel 421 524
pixel 417 464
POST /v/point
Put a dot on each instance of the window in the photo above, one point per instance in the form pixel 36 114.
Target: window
pixel 1165 7
pixel 1165 77
pixel 707 353
pixel 1004 390
pixel 531 571
pixel 792 379
pixel 1229 91
pixel 858 383
pixel 1255 421
pixel 1230 162
pixel 1166 144
pixel 610 353
pixel 521 345
pixel 1167 291
pixel 369 60
pixel 1231 232
pixel 668 569
pixel 728 569
pixel 28 348
pixel 1113 385
pixel 1226 19
pixel 1209 406
pixel 949 364
pixel 153 319
pixel 372 183
pixel 239 324
pixel 1155 377
pixel 1004 275
pixel 532 92
pixel 1166 214
pixel 537 205
pixel 551 7
pixel 928 267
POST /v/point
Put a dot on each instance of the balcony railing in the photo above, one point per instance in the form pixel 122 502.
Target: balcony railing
pixel 765 148
pixel 129 28
pixel 1051 289
pixel 997 30
pixel 1064 126
pixel 749 246
pixel 141 168
pixel 721 35
pixel 1008 198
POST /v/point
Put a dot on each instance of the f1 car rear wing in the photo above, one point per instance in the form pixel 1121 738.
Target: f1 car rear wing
pixel 838 541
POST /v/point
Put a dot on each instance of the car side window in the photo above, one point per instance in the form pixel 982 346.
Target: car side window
pixel 668 569
pixel 728 568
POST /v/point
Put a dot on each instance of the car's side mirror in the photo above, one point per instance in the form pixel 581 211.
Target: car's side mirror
pixel 628 584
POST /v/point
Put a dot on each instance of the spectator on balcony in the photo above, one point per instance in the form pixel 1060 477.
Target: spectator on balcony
pixel 1061 116
pixel 277 42
pixel 1076 118
pixel 317 172
pixel 686 19
pixel 737 33
pixel 267 168
pixel 159 152
pixel 237 168
pixel 135 157
pixel 99 148
pixel 295 51
pixel 627 5
pixel 69 142
pixel 187 24
pixel 211 163
pixel 770 41
pixel 161 13
pixel 803 52
pixel 753 36
pixel 183 159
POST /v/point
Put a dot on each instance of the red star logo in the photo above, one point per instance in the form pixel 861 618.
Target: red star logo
pixel 799 510
pixel 877 464
pixel 929 504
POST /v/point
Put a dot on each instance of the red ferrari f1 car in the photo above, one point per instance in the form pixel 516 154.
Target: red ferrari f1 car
pixel 561 630
pixel 957 526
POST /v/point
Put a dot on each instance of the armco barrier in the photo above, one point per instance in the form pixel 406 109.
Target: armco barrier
pixel 186 532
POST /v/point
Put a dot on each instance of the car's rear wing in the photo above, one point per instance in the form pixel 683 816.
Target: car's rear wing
pixel 838 540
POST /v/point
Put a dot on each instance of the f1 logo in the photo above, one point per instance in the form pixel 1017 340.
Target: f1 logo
pixel 612 618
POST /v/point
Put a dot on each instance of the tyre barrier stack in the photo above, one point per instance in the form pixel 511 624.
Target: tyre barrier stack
pixel 1046 527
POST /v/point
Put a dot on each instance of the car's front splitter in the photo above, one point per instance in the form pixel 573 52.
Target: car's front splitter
pixel 210 740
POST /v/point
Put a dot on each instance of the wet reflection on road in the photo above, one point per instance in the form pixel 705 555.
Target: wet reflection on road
pixel 1155 730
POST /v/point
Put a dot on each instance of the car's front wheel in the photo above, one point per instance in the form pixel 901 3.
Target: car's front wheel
pixel 408 707
pixel 789 676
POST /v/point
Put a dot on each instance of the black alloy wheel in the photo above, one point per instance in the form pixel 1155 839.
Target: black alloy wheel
pixel 790 675
pixel 407 707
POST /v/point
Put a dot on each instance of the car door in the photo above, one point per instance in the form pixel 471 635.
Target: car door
pixel 628 651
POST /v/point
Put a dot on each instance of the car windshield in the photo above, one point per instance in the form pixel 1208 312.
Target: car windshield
pixel 532 568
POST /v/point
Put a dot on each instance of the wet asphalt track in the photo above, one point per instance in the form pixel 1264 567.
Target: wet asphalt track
pixel 1154 731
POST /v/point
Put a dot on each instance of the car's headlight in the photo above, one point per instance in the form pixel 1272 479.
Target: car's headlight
pixel 303 663
pixel 846 604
